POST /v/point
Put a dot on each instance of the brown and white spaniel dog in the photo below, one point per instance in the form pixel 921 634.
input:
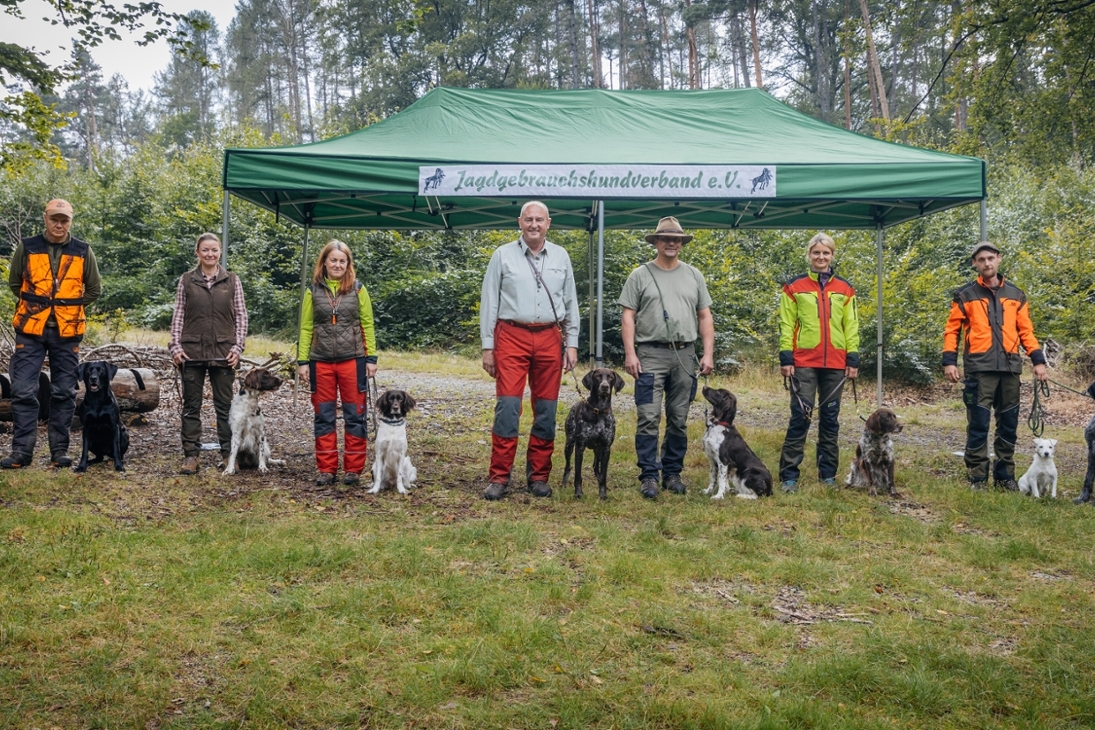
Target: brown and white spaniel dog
pixel 872 466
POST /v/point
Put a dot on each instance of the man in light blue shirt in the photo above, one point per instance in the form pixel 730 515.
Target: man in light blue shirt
pixel 529 304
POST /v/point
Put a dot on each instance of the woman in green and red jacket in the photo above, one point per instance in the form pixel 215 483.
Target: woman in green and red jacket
pixel 336 354
pixel 818 351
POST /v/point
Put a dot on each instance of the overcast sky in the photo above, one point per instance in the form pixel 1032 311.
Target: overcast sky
pixel 137 64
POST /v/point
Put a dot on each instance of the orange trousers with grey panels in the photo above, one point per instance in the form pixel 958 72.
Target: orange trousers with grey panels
pixel 521 356
pixel 331 382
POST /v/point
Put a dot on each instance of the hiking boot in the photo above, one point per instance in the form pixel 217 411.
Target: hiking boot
pixel 351 480
pixel 1006 485
pixel 978 485
pixel 789 486
pixel 61 461
pixel 325 479
pixel 189 465
pixel 829 482
pixel 673 483
pixel 540 489
pixel 15 461
pixel 649 488
pixel 495 490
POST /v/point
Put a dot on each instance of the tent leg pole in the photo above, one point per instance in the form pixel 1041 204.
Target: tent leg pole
pixel 590 257
pixel 984 222
pixel 879 353
pixel 225 207
pixel 600 282
pixel 300 307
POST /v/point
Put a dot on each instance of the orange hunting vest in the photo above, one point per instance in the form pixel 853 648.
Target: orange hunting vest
pixel 43 293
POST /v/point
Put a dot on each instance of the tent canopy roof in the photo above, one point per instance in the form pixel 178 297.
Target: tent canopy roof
pixel 826 177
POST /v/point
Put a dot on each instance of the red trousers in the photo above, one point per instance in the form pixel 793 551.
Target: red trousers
pixel 331 382
pixel 521 356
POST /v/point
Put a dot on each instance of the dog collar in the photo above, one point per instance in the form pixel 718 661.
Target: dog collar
pixel 724 424
pixel 393 421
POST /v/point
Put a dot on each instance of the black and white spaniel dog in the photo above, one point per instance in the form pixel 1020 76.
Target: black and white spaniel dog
pixel 391 465
pixel 249 446
pixel 873 464
pixel 731 459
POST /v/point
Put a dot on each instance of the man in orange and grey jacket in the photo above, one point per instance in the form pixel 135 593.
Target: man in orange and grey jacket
pixel 991 316
pixel 52 275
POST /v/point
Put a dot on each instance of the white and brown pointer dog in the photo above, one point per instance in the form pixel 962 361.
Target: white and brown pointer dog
pixel 732 461
pixel 249 446
pixel 873 464
pixel 591 425
pixel 391 465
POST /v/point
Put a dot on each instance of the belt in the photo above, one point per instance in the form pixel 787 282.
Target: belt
pixel 671 345
pixel 530 326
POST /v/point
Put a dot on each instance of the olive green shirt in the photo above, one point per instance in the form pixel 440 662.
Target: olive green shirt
pixel 685 295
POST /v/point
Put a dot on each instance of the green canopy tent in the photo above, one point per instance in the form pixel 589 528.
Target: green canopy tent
pixel 468 159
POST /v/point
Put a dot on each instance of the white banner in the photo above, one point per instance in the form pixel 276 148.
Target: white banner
pixel 599 181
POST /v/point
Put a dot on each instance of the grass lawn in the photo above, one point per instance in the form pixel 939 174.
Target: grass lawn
pixel 269 605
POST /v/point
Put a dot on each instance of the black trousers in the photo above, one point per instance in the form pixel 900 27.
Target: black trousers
pixel 24 369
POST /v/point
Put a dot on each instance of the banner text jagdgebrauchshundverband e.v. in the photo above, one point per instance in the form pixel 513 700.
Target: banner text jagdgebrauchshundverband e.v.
pixel 599 181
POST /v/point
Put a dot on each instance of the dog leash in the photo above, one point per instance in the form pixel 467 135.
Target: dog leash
pixel 1071 390
pixel 1036 420
pixel 791 383
pixel 373 394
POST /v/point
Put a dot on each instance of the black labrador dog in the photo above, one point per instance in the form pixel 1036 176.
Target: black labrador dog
pixel 591 425
pixel 104 434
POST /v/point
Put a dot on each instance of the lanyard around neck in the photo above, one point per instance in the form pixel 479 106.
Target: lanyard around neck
pixel 334 302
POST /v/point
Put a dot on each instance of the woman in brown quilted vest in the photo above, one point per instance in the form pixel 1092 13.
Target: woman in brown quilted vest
pixel 336 354
pixel 208 330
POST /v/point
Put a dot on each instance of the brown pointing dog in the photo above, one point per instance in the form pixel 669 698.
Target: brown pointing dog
pixel 591 425
pixel 873 464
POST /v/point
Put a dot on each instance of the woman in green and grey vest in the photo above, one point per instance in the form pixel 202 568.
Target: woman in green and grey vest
pixel 208 330
pixel 336 353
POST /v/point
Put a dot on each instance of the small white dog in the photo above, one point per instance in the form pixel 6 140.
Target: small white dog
pixel 249 445
pixel 391 465
pixel 1042 474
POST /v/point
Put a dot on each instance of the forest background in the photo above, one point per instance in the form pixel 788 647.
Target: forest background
pixel 1008 80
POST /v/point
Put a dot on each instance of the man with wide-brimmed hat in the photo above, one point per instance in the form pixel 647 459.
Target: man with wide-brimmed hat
pixel 53 276
pixel 666 308
pixel 992 316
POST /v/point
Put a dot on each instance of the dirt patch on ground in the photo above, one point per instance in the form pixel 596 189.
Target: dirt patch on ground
pixel 913 510
pixel 791 607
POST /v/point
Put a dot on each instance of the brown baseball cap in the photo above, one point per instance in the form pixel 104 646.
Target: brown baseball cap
pixel 58 206
pixel 981 246
pixel 669 227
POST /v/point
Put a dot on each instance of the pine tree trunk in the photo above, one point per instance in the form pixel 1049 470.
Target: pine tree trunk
pixel 693 55
pixel 847 70
pixel 756 42
pixel 872 60
pixel 595 49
